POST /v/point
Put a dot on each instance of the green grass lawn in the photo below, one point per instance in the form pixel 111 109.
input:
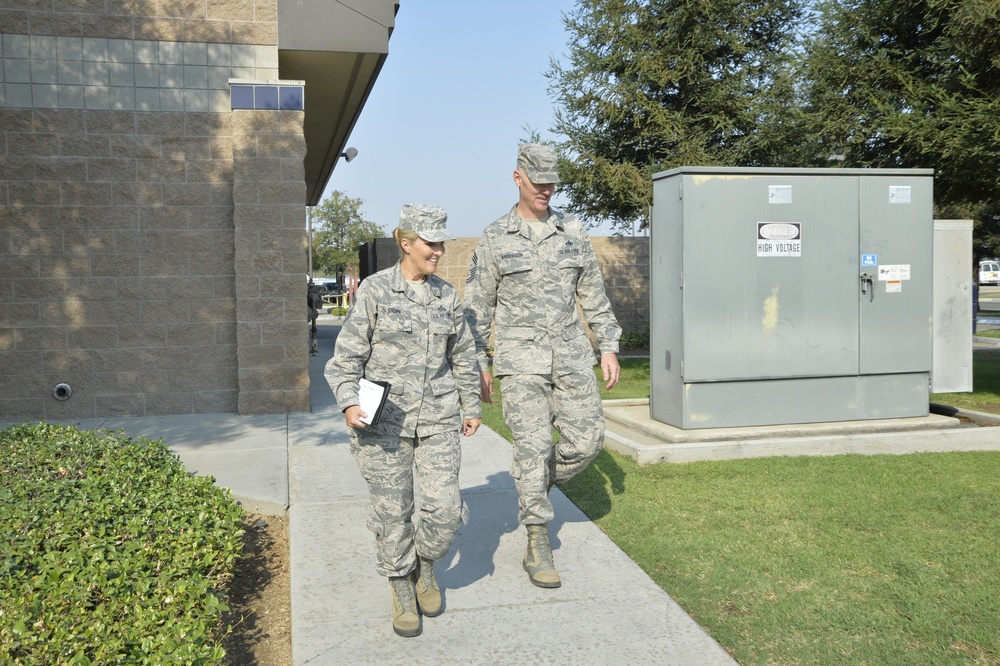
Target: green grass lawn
pixel 817 560
pixel 985 396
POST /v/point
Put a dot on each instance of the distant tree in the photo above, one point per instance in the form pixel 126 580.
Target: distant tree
pixel 909 84
pixel 339 227
pixel 655 84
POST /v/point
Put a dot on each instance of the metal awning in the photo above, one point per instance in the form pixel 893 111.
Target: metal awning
pixel 338 48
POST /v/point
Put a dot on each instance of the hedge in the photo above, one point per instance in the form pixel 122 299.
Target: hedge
pixel 111 552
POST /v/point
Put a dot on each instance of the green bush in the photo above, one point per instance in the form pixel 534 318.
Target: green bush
pixel 338 312
pixel 635 340
pixel 110 552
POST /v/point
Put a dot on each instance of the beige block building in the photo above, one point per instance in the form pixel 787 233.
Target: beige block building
pixel 156 161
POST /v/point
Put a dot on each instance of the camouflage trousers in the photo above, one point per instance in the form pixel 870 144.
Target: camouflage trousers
pixel 532 404
pixel 404 472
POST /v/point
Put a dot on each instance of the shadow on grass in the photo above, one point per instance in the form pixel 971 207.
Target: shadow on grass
pixel 592 489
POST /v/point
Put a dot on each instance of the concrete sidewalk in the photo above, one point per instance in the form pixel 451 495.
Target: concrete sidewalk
pixel 607 611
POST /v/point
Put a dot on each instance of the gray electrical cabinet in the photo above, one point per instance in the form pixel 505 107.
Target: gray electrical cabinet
pixel 783 296
pixel 953 277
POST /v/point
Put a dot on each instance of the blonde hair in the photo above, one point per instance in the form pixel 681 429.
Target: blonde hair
pixel 399 235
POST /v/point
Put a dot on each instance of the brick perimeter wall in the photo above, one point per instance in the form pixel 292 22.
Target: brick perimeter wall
pixel 624 265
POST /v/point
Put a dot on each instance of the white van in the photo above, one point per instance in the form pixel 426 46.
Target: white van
pixel 989 272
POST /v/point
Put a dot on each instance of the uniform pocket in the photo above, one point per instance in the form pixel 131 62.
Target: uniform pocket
pixel 569 263
pixel 445 404
pixel 514 262
pixel 570 255
pixel 393 318
pixel 442 327
pixel 576 351
pixel 516 352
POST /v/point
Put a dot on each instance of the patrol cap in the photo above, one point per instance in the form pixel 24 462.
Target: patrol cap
pixel 428 222
pixel 538 162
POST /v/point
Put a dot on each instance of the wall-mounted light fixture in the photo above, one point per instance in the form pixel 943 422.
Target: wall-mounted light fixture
pixel 348 155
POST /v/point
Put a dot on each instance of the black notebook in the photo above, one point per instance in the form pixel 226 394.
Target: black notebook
pixel 371 399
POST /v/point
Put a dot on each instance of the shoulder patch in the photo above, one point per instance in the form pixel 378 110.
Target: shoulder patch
pixel 472 268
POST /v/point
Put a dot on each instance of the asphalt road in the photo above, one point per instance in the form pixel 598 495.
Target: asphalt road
pixel 989 298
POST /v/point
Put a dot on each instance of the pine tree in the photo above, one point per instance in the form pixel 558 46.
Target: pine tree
pixel 654 84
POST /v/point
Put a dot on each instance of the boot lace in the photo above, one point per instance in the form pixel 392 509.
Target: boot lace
pixel 426 575
pixel 540 544
pixel 404 592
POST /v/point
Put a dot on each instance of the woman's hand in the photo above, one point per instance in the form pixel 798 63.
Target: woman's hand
pixel 470 426
pixel 353 414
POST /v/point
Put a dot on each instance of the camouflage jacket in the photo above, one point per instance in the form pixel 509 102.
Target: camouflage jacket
pixel 423 349
pixel 528 289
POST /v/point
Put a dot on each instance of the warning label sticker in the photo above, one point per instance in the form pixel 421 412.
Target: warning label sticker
pixel 894 272
pixel 779 239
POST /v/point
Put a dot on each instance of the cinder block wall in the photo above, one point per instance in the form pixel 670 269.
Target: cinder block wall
pixel 624 265
pixel 270 263
pixel 152 242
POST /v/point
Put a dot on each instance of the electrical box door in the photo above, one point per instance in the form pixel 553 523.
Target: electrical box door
pixel 896 330
pixel 759 308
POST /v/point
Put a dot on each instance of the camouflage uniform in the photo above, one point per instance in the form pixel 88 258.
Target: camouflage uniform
pixel 527 287
pixel 422 346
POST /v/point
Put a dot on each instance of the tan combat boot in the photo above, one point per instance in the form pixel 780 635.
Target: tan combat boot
pixel 405 617
pixel 428 592
pixel 538 558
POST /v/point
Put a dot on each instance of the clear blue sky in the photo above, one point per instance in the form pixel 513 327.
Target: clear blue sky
pixel 462 80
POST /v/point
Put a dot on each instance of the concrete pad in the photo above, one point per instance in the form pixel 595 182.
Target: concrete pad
pixel 632 433
pixel 634 414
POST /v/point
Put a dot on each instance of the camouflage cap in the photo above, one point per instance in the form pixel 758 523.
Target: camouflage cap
pixel 428 222
pixel 538 162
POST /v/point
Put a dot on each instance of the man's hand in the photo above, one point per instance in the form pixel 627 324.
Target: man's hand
pixel 486 386
pixel 610 369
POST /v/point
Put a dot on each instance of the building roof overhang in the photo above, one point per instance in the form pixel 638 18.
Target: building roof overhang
pixel 338 49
